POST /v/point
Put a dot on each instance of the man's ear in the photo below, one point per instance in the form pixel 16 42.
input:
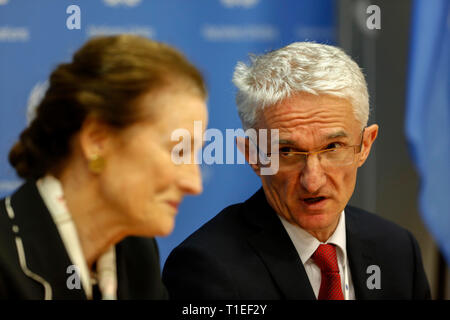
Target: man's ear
pixel 250 153
pixel 370 134
pixel 94 137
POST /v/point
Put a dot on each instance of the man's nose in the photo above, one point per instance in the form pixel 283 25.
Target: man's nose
pixel 190 179
pixel 312 177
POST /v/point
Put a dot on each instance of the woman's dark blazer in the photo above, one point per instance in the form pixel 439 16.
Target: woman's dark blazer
pixel 42 268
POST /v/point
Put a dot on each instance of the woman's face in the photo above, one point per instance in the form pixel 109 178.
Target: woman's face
pixel 140 179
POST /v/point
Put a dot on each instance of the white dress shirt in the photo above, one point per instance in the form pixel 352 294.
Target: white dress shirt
pixel 51 192
pixel 306 245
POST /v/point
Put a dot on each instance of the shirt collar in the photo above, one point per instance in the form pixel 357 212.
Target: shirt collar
pixel 306 244
pixel 52 194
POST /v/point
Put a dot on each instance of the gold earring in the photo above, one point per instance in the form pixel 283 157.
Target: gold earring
pixel 96 164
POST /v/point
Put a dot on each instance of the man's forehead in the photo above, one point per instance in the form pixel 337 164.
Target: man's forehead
pixel 293 138
pixel 310 119
pixel 306 109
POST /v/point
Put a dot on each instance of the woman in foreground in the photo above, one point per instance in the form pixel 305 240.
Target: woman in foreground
pixel 100 182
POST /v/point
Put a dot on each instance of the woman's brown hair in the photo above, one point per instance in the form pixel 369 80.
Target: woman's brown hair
pixel 103 79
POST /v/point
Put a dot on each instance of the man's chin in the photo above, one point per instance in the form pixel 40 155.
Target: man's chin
pixel 317 220
pixel 314 222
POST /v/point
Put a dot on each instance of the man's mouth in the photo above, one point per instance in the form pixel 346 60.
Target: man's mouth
pixel 312 200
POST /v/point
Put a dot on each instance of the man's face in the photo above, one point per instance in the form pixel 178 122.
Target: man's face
pixel 312 196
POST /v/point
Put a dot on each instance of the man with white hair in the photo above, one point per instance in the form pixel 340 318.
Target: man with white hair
pixel 297 237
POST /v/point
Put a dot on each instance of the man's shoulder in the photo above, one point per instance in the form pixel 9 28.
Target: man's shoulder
pixel 236 222
pixel 237 219
pixel 371 225
pixel 369 218
pixel 228 223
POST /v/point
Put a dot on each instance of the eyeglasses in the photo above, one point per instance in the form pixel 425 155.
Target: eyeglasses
pixel 328 158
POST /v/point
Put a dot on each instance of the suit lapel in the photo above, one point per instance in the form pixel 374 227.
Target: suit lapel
pixel 272 243
pixel 44 250
pixel 361 253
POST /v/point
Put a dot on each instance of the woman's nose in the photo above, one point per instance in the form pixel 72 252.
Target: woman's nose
pixel 190 179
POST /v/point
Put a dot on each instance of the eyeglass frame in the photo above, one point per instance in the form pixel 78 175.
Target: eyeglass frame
pixel 308 153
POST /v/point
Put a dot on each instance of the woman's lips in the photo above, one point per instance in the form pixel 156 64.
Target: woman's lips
pixel 174 204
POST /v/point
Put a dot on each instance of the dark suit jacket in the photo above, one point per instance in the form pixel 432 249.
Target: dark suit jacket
pixel 245 253
pixel 138 269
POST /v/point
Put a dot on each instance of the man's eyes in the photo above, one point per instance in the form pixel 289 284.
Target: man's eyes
pixel 286 149
pixel 334 145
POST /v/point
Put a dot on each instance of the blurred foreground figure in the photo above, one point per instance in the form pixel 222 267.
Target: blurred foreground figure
pixel 100 182
pixel 296 238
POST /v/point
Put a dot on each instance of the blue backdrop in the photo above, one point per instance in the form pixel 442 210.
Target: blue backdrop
pixel 214 34
pixel 428 114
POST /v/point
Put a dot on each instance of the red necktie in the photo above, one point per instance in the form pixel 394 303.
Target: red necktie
pixel 330 286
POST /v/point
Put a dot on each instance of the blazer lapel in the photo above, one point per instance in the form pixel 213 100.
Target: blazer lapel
pixel 272 243
pixel 361 253
pixel 44 250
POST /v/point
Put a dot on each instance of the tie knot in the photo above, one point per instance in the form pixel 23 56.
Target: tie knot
pixel 325 258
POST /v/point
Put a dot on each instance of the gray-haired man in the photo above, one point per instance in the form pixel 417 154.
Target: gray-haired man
pixel 296 238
